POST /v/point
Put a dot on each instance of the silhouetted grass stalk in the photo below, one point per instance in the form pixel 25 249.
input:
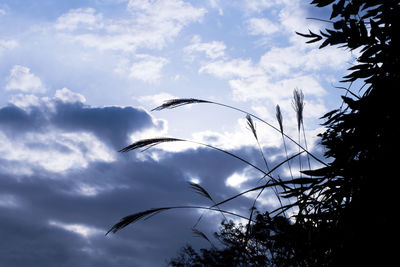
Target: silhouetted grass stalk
pixel 298 105
pixel 252 127
pixel 272 183
pixel 279 118
pixel 173 103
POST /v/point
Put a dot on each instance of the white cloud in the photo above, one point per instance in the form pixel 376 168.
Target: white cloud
pixel 151 24
pixel 278 72
pixel 213 50
pixel 22 79
pixel 231 68
pixel 67 96
pixel 157 99
pixel 147 68
pixel 8 44
pixel 235 180
pixel 286 60
pixel 261 26
pixel 8 201
pixel 28 101
pixel 258 6
pixel 80 229
pixel 55 151
pixel 24 101
pixel 217 5
pixel 258 87
pixel 83 18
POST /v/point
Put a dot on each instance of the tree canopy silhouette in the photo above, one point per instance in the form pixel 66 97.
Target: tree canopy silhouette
pixel 346 209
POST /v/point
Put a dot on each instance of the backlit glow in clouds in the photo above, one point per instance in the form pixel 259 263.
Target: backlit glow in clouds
pixel 77 82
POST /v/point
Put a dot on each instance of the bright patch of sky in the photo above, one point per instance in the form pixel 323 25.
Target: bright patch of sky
pixel 243 53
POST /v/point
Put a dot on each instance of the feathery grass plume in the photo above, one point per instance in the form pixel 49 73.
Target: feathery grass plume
pixel 201 191
pixel 173 103
pixel 127 220
pixel 199 233
pixel 252 127
pixel 148 143
pixel 298 105
pixel 133 218
pixel 177 102
pixel 279 118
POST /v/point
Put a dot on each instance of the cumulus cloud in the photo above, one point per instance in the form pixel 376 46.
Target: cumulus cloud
pixel 80 229
pixel 258 6
pixel 61 133
pixel 72 193
pixel 8 44
pixel 231 68
pixel 212 50
pixel 55 151
pixel 80 18
pixel 151 24
pixel 147 68
pixel 261 26
pixel 57 216
pixel 22 79
pixel 67 96
pixel 157 99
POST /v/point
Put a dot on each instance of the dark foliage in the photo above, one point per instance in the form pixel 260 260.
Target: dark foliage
pixel 347 218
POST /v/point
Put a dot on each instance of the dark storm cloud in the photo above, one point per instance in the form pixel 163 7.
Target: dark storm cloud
pixel 130 186
pixel 98 195
pixel 111 124
pixel 15 120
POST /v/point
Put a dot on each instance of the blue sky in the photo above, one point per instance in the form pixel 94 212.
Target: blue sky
pixel 77 82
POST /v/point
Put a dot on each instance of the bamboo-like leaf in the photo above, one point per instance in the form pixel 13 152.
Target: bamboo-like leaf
pixel 315 37
pixel 147 143
pixel 173 103
pixel 318 172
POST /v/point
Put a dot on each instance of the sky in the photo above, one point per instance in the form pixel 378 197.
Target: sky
pixel 78 80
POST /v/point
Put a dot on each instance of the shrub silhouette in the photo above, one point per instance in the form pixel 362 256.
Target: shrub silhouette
pixel 346 209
